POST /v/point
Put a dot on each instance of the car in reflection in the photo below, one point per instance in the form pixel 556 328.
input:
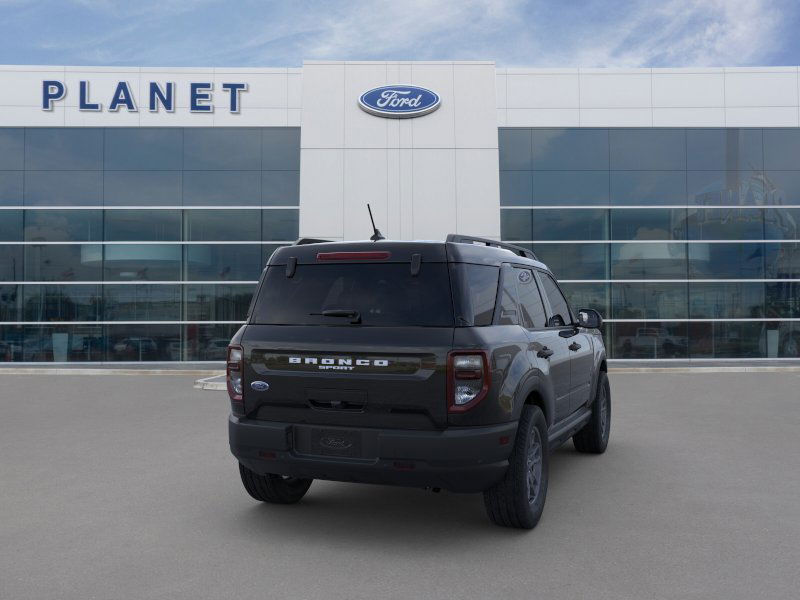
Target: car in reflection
pixel 216 349
pixel 136 348
pixel 653 342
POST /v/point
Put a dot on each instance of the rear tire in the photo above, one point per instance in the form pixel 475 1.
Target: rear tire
pixel 593 438
pixel 275 489
pixel 518 500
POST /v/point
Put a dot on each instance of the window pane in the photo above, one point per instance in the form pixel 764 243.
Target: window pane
pixel 783 340
pixel 515 149
pixel 581 224
pixel 570 187
pixel 281 148
pixel 575 261
pixel 648 224
pixel 509 313
pixel 560 313
pixel 648 149
pixel 782 261
pixel 154 262
pixel 236 262
pixel 648 187
pixel 588 295
pixel 637 300
pixel 530 300
pixel 516 225
pixel 221 188
pixel 724 149
pixel 783 299
pixel 570 149
pixel 729 188
pixel 474 293
pixel 12 147
pixel 63 188
pixel 726 261
pixel 726 224
pixel 10 225
pixel 781 223
pixel 208 342
pixel 651 339
pixel 143 225
pixel 726 300
pixel 783 187
pixel 280 225
pixel 222 225
pixel 143 188
pixel 69 262
pixel 218 302
pixel 782 148
pixel 62 302
pixel 11 263
pixel 143 148
pixel 280 188
pixel 63 225
pixel 727 340
pixel 221 148
pixel 648 261
pixel 516 188
pixel 143 342
pixel 142 302
pixel 63 343
pixel 63 148
pixel 11 188
pixel 10 308
pixel 11 341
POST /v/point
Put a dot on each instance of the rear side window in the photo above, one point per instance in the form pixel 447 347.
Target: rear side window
pixel 558 303
pixel 475 292
pixel 508 299
pixel 530 301
pixel 384 294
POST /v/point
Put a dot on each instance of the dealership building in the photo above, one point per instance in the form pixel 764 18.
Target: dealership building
pixel 138 206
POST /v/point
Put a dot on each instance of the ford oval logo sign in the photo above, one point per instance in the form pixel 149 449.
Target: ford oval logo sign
pixel 260 386
pixel 399 101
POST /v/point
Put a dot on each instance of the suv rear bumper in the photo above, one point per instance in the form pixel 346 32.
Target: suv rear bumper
pixel 464 459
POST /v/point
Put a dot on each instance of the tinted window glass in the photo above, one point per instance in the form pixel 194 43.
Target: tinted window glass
pixel 147 262
pixel 143 148
pixel 588 295
pixel 726 261
pixel 62 302
pixel 382 294
pixel 731 188
pixel 280 188
pixel 222 225
pixel 515 149
pixel 648 261
pixel 648 224
pixel 530 302
pixel 782 261
pixel 723 149
pixel 10 225
pixel 12 144
pixel 648 149
pixel 65 148
pixel 64 188
pixel 221 148
pixel 143 225
pixel 509 313
pixel 639 300
pixel 782 148
pixel 221 188
pixel 11 263
pixel 142 302
pixel 648 187
pixel 68 262
pixel 143 342
pixel 557 224
pixel 280 225
pixel 558 304
pixel 475 292
pixel 570 149
pixel 727 340
pixel 726 300
pixel 726 224
pixel 11 188
pixel 63 225
pixel 281 149
pixel 783 299
pixel 516 188
pixel 650 339
pixel 64 343
pixel 208 342
pixel 142 188
pixel 575 261
pixel 516 225
pixel 218 302
pixel 10 305
pixel 233 262
pixel 555 188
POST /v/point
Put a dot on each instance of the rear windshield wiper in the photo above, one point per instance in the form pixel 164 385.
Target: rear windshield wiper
pixel 353 315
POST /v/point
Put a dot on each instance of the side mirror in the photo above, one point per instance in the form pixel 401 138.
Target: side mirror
pixel 589 318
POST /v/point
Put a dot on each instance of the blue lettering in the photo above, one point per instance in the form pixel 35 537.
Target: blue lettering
pixel 200 92
pixel 233 89
pixel 84 103
pixel 122 96
pixel 159 96
pixel 51 91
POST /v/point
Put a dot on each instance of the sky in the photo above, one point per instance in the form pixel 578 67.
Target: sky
pixel 580 33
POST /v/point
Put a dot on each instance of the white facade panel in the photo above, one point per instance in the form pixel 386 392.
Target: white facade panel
pixel 474 94
pixel 434 208
pixel 624 90
pixel 758 89
pixel 438 129
pixel 690 90
pixel 689 117
pixel 771 116
pixel 543 90
pixel 616 117
pixel 362 130
pixel 324 192
pixel 365 181
pixel 542 117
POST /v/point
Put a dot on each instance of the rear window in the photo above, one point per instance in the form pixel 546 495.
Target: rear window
pixel 475 291
pixel 383 294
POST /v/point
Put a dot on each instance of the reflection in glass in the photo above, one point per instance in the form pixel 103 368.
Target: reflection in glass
pixel 10 305
pixel 222 148
pixel 280 148
pixel 556 188
pixel 11 263
pixel 208 342
pixel 63 225
pixel 234 262
pixel 63 148
pixel 67 262
pixel 582 225
pixel 648 187
pixel 222 225
pixel 11 187
pixel 62 343
pixel 146 262
pixel 648 224
pixel 63 188
pixel 221 188
pixel 783 340
pixel 648 261
pixel 782 260
pixel 10 225
pixel 731 188
pixel 62 303
pixel 142 302
pixel 280 188
pixel 142 188
pixel 570 149
pixel 782 148
pixel 280 224
pixel 142 225
pixel 727 340
pixel 516 188
pixel 143 148
pixel 726 223
pixel 143 342
pixel 12 148
pixel 515 149
pixel 588 295
pixel 639 300
pixel 649 339
pixel 726 261
pixel 574 261
pixel 783 299
pixel 218 302
pixel 724 149
pixel 648 149
pixel 726 300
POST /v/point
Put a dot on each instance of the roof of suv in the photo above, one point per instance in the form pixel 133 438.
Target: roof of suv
pixel 402 251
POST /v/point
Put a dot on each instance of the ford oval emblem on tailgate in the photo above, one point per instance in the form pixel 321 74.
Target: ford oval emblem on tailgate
pixel 335 443
pixel 260 386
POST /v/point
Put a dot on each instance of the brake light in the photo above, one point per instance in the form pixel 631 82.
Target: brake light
pixel 233 373
pixel 468 379
pixel 372 255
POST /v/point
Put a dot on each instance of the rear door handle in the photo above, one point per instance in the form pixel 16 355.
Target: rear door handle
pixel 545 352
pixel 574 346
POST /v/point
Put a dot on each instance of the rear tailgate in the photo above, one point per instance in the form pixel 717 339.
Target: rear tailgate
pixel 348 375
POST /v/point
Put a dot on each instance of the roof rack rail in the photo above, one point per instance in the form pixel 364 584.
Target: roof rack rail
pixel 304 241
pixel 468 239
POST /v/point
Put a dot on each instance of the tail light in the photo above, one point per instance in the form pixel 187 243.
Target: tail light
pixel 234 378
pixel 468 379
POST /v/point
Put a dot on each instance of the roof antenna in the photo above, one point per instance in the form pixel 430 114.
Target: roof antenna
pixel 377 235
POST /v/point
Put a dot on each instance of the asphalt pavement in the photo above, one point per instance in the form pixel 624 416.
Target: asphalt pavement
pixel 122 486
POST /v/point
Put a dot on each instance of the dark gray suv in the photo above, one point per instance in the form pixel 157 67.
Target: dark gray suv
pixel 456 365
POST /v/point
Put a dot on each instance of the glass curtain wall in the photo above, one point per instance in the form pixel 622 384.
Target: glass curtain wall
pixel 138 244
pixel 685 240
